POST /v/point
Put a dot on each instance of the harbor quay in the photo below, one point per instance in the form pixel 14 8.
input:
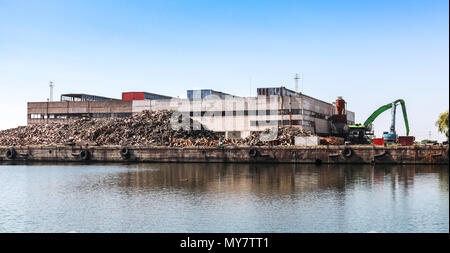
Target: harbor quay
pixel 336 154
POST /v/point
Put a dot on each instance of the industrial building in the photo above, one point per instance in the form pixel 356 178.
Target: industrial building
pixel 236 117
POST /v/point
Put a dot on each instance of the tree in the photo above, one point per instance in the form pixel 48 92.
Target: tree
pixel 442 123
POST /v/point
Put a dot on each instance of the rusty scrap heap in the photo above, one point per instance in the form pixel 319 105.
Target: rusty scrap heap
pixel 146 128
pixel 285 136
pixel 143 129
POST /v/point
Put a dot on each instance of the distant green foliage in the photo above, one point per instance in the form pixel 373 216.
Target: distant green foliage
pixel 442 123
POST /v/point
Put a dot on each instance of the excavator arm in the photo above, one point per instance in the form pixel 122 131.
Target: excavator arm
pixel 376 113
pixel 387 107
pixel 405 117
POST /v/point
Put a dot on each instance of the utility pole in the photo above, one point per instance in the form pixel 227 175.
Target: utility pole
pixel 51 91
pixel 296 81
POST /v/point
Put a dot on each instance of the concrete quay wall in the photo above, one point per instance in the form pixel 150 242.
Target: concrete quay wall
pixel 320 154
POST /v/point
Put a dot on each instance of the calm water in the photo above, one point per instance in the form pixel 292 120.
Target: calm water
pixel 223 198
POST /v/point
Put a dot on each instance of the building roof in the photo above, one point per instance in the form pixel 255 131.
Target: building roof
pixel 148 93
pixel 86 97
pixel 279 91
pixel 204 92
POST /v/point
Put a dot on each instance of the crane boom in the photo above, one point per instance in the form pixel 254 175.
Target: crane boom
pixel 405 116
pixel 386 107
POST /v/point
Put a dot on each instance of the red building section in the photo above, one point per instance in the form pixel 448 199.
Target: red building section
pixel 142 96
pixel 133 96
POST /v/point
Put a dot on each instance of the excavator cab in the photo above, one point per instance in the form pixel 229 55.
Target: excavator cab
pixel 390 138
pixel 360 134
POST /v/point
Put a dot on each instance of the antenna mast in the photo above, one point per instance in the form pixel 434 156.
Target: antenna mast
pixel 51 91
pixel 296 82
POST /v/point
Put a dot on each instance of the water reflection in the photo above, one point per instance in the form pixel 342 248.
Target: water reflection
pixel 272 178
pixel 196 197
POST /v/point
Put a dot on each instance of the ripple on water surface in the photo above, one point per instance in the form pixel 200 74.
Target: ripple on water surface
pixel 223 198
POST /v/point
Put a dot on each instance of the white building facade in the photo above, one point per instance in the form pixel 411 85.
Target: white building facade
pixel 238 117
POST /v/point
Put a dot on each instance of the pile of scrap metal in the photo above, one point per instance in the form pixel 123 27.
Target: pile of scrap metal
pixel 285 136
pixel 332 140
pixel 148 128
pixel 143 129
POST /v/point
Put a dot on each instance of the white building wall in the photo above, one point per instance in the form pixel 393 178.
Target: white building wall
pixel 214 108
pixel 351 117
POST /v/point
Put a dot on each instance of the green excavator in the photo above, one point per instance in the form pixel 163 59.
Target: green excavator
pixel 363 133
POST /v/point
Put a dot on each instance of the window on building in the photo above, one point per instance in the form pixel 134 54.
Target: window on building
pixel 35 116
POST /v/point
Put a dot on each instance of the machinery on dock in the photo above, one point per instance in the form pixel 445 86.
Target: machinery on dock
pixel 363 133
pixel 339 126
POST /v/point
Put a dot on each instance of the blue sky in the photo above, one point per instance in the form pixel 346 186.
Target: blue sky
pixel 369 52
